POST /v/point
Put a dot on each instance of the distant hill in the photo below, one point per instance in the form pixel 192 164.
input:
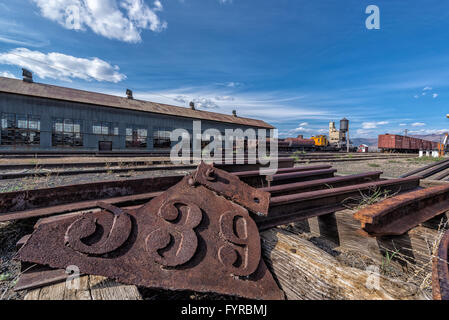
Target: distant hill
pixel 430 137
pixel 370 142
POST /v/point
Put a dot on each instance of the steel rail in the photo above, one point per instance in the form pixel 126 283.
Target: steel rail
pixel 296 207
pixel 17 175
pixel 411 173
pixel 434 170
pixel 399 214
pixel 242 165
pixel 58 206
pixel 341 181
pixel 39 198
pixel 440 270
pixel 16 205
pixel 256 173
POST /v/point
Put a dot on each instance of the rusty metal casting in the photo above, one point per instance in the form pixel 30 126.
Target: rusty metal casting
pixel 440 270
pixel 399 214
pixel 188 238
pixel 232 188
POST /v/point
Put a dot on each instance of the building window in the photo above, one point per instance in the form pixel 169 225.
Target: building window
pixel 105 128
pixel 136 137
pixel 67 133
pixel 161 138
pixel 19 129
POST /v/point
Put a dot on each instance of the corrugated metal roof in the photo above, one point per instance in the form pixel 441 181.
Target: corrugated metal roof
pixel 68 94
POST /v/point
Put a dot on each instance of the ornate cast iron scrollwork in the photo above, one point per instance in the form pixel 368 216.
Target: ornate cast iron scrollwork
pixel 99 233
pixel 175 234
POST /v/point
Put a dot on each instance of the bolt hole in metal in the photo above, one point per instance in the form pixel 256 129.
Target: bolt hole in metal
pixel 256 200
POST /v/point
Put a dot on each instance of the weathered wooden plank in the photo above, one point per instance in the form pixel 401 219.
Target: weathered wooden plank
pixel 341 232
pixel 306 272
pixel 104 289
pixel 90 288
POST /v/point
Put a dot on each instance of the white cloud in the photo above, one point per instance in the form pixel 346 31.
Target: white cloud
pixel 205 103
pixel 61 66
pixel 304 124
pixel 200 102
pixel 233 84
pixel 8 74
pixel 429 131
pixel 224 98
pixel 225 1
pixel 435 95
pixel 182 99
pixel 418 124
pixel 402 124
pixel 373 125
pixel 301 129
pixel 114 19
pixel 427 89
pixel 416 96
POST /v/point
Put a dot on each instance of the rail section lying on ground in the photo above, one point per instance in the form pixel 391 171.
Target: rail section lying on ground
pixel 209 202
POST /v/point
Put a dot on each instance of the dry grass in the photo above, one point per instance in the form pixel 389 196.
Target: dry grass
pixel 367 198
pixel 10 233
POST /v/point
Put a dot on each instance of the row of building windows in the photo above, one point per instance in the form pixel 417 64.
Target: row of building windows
pixel 18 129
pixel 25 130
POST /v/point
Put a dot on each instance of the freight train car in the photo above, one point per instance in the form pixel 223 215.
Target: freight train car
pixel 300 144
pixel 397 143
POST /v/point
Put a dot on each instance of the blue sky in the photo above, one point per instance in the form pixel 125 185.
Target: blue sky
pixel 296 64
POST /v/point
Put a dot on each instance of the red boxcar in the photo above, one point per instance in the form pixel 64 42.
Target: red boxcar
pixel 393 142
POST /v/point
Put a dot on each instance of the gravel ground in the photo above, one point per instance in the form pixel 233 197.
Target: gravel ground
pixel 391 168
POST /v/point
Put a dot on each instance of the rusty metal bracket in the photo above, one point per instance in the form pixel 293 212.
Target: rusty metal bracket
pixel 399 214
pixel 440 270
pixel 232 188
pixel 188 238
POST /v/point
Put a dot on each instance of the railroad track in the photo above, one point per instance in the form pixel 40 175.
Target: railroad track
pixel 210 194
pixel 287 182
pixel 79 168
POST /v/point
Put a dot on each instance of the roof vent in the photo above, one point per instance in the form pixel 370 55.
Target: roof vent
pixel 234 113
pixel 192 105
pixel 27 75
pixel 129 94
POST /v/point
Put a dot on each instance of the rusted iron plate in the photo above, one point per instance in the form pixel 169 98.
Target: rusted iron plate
pixel 232 188
pixel 440 270
pixel 399 214
pixel 188 238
